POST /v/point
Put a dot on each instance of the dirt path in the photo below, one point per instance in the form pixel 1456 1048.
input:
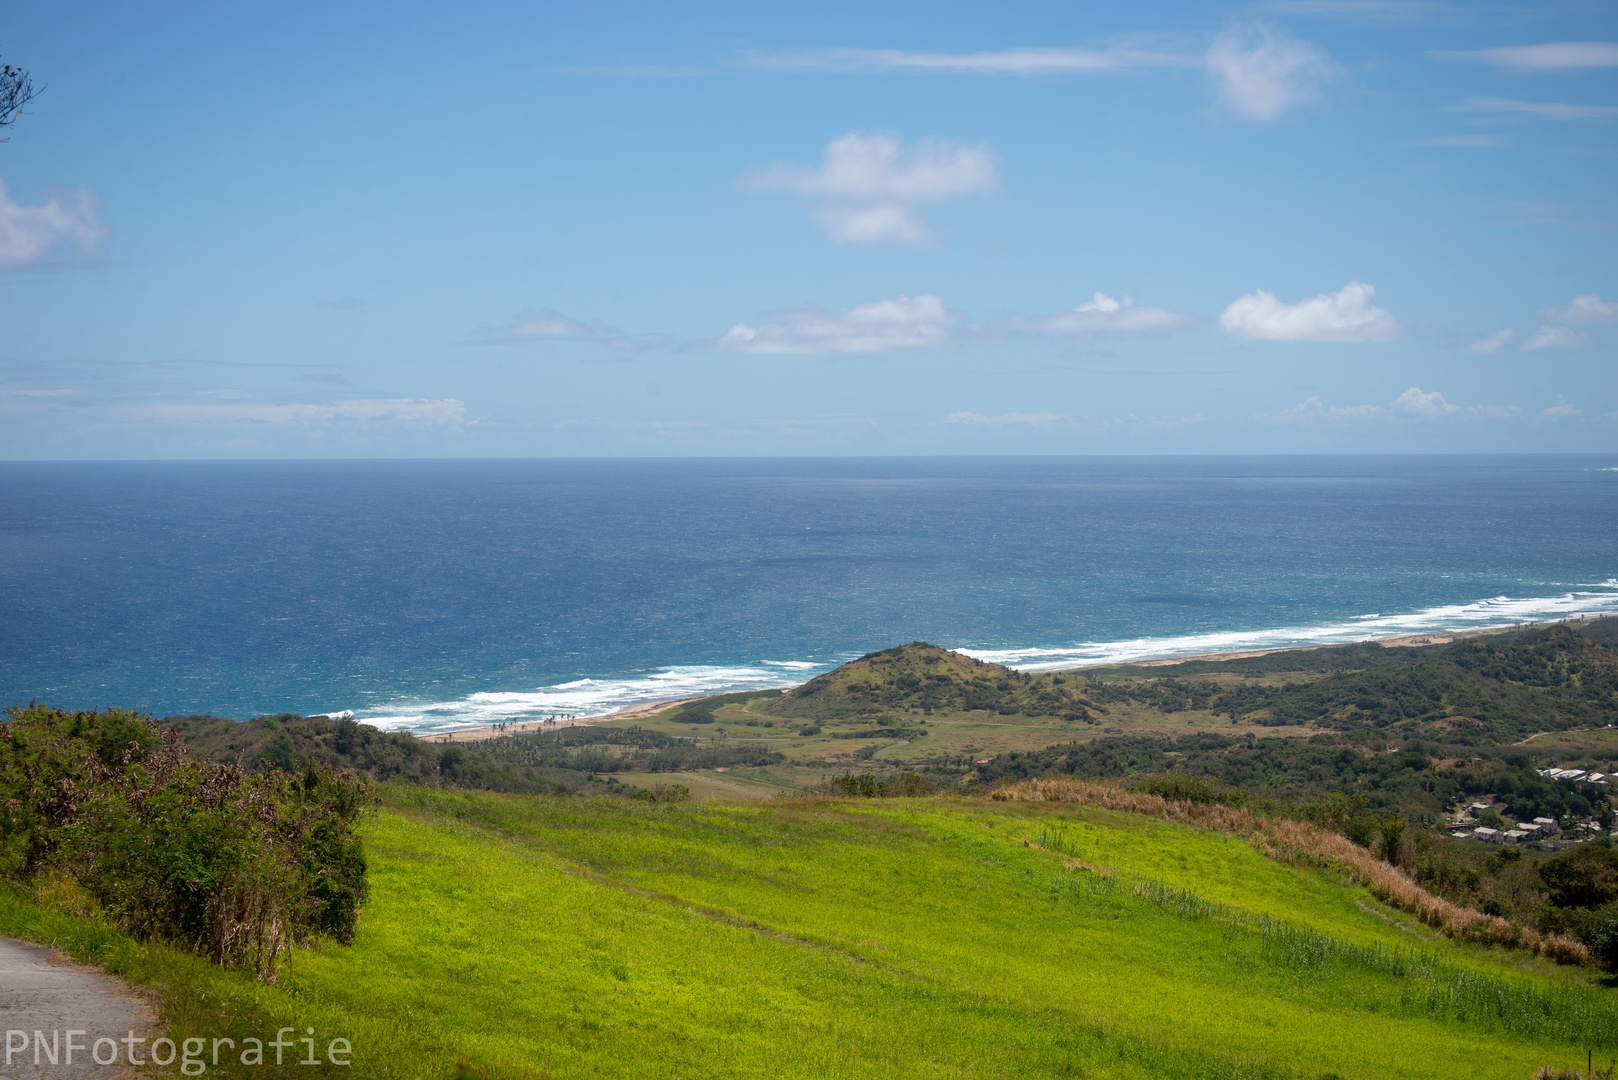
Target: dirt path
pixel 42 993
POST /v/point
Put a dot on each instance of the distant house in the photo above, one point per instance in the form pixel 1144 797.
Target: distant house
pixel 1546 825
pixel 1475 807
pixel 1533 831
pixel 1595 778
pixel 1487 835
pixel 1462 835
pixel 1514 836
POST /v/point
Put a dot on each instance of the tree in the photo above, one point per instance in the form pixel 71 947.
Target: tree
pixel 16 90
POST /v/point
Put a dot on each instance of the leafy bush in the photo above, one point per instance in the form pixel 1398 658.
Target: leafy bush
pixel 866 786
pixel 234 865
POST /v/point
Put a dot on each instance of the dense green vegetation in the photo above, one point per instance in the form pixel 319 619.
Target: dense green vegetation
pixel 292 743
pixel 107 816
pixel 624 749
pixel 525 937
pixel 1477 691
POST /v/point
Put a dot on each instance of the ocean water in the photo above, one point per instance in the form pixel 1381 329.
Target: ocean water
pixel 436 594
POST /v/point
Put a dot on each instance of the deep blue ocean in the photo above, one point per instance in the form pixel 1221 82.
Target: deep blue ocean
pixel 435 594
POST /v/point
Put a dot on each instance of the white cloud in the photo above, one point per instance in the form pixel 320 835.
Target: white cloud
pixel 1032 61
pixel 869 188
pixel 1031 419
pixel 547 324
pixel 1560 411
pixel 1557 56
pixel 880 326
pixel 1345 315
pixel 439 411
pixel 1103 314
pixel 1584 308
pixel 1472 141
pixel 29 234
pixel 1493 342
pixel 1551 109
pixel 1555 337
pixel 1415 403
pixel 1262 72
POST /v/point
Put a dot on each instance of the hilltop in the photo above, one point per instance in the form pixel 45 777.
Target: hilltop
pixel 925 679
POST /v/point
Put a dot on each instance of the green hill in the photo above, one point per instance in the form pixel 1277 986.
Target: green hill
pixel 922 678
pixel 519 936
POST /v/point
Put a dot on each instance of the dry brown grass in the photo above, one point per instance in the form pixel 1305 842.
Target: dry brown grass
pixel 1298 841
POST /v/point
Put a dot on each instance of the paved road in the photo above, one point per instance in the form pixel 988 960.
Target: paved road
pixel 37 995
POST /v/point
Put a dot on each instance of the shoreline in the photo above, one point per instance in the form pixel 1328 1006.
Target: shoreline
pixel 649 708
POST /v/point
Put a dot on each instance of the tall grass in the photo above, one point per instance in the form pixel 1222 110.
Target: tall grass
pixel 1302 842
pixel 1580 1015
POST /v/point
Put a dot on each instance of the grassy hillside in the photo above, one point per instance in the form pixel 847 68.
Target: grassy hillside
pixel 532 937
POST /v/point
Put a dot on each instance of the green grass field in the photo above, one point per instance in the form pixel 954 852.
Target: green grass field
pixel 527 936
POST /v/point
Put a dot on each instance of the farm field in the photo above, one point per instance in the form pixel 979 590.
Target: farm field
pixel 535 936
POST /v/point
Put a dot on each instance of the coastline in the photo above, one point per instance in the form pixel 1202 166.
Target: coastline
pixel 1393 641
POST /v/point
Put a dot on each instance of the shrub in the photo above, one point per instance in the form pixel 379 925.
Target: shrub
pixel 1602 937
pixel 236 866
pixel 866 786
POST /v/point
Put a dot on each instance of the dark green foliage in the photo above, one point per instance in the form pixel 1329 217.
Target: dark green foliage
pixel 924 678
pixel 238 866
pixel 629 749
pixel 663 793
pixel 1586 877
pixel 1300 770
pixel 1475 691
pixel 1602 937
pixel 867 786
pixel 290 743
pixel 702 710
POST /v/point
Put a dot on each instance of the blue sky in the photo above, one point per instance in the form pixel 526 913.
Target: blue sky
pixel 640 229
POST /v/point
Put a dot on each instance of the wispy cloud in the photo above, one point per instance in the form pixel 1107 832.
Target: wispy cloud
pixel 1560 411
pixel 1584 308
pixel 1104 315
pixel 66 220
pixel 1029 61
pixel 1544 212
pixel 342 303
pixel 1493 342
pixel 1556 337
pixel 880 326
pixel 1414 402
pixel 1476 142
pixel 548 324
pixel 1551 109
pixel 637 71
pixel 1555 56
pixel 869 189
pixel 1414 405
pixel 1262 71
pixel 1377 11
pixel 1028 419
pixel 240 407
pixel 1345 315
pixel 430 411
